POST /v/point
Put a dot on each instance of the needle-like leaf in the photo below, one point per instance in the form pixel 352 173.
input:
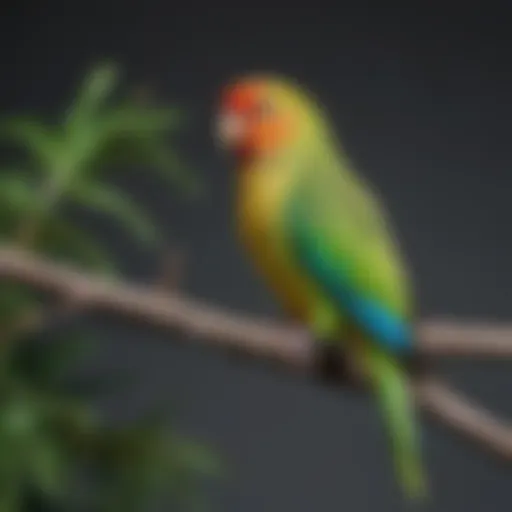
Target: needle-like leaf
pixel 17 190
pixel 43 143
pixel 64 241
pixel 96 89
pixel 111 201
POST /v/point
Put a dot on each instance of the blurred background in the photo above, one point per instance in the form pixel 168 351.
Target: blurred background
pixel 421 97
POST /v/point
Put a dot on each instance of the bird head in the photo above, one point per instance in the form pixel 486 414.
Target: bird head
pixel 260 114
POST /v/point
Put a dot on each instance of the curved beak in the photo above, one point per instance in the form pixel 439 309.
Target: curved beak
pixel 230 130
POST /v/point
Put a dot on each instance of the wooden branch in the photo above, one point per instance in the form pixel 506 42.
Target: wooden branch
pixel 262 338
pixel 445 337
pixel 265 340
pixel 465 417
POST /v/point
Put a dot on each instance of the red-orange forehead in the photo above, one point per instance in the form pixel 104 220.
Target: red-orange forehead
pixel 241 96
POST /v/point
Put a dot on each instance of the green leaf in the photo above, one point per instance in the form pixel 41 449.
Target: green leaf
pixel 97 87
pixel 44 365
pixel 17 191
pixel 81 127
pixel 198 457
pixel 75 423
pixel 63 240
pixel 136 135
pixel 160 159
pixel 133 469
pixel 152 461
pixel 20 201
pixel 168 165
pixel 15 300
pixel 110 201
pixel 133 121
pixel 11 495
pixel 43 143
pixel 49 468
pixel 91 142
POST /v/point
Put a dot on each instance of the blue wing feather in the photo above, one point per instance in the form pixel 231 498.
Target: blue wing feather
pixel 373 318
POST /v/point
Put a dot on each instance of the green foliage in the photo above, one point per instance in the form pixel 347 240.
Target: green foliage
pixel 107 200
pixel 49 433
pixel 149 461
pixel 72 160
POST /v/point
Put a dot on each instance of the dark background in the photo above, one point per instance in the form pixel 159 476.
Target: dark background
pixel 422 100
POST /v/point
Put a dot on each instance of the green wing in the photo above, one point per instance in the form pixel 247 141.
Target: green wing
pixel 340 239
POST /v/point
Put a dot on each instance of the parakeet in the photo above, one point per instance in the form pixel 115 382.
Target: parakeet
pixel 319 236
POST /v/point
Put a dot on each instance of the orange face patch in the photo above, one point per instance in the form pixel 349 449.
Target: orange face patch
pixel 266 124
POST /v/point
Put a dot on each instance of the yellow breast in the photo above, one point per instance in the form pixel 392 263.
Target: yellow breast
pixel 261 195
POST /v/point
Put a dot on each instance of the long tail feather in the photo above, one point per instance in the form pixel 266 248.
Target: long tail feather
pixel 393 394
